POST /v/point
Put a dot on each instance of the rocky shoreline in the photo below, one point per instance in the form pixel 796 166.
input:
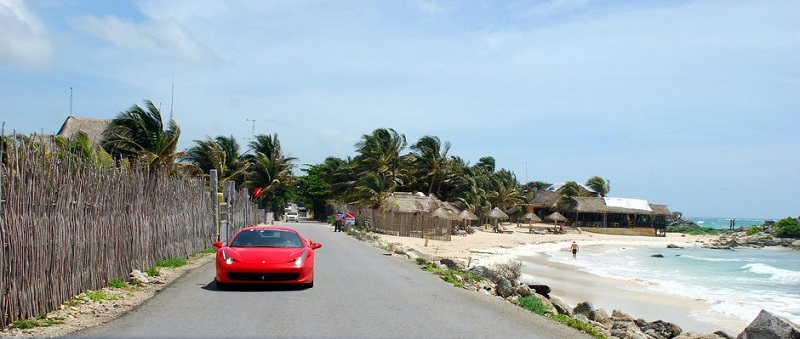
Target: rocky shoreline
pixel 616 325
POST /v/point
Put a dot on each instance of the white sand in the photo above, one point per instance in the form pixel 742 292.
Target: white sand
pixel 569 283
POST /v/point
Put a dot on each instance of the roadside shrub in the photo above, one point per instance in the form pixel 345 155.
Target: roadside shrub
pixel 96 295
pixel 153 272
pixel 579 325
pixel 171 262
pixel 511 270
pixel 787 228
pixel 754 230
pixel 534 305
pixel 116 283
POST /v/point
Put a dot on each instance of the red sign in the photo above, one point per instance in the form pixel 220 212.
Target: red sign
pixel 257 192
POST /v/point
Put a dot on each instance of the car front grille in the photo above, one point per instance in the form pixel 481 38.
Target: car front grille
pixel 263 276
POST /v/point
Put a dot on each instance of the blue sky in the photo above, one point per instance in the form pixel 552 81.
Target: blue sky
pixel 693 104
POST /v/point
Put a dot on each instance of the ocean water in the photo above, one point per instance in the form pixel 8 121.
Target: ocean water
pixel 724 223
pixel 736 283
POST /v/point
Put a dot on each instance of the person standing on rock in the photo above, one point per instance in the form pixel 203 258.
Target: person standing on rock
pixel 574 249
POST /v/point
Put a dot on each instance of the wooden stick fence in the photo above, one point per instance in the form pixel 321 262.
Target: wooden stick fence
pixel 67 226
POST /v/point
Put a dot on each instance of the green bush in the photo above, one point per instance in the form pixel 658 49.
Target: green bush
pixel 172 262
pixel 579 325
pixel 116 283
pixel 96 295
pixel 534 305
pixel 787 228
pixel 153 272
pixel 754 230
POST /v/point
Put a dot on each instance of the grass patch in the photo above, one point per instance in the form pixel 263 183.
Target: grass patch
pixel 172 262
pixel 116 283
pixel 153 272
pixel 579 325
pixel 40 321
pixel 449 275
pixel 73 302
pixel 208 250
pixel 534 305
pixel 96 295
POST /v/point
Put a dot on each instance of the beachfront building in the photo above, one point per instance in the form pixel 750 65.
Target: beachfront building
pixel 605 214
pixel 635 215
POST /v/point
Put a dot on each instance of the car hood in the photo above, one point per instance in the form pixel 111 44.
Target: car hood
pixel 265 254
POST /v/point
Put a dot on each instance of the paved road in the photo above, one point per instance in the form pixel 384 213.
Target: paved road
pixel 359 292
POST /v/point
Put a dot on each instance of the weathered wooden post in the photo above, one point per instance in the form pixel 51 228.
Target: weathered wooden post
pixel 213 192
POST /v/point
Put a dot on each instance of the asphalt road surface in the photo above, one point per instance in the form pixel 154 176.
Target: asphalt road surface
pixel 359 292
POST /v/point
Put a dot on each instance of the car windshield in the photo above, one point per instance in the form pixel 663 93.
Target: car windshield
pixel 266 238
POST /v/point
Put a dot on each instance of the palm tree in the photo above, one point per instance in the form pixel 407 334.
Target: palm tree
pixel 222 154
pixel 379 153
pixel 82 146
pixel 599 185
pixel 139 134
pixel 505 191
pixel 431 159
pixel 270 170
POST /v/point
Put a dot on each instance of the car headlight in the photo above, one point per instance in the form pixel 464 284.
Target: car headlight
pixel 228 259
pixel 301 259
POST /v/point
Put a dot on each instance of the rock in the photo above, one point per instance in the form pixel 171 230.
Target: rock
pixel 600 315
pixel 627 330
pixel 546 302
pixel 659 327
pixel 504 288
pixel 582 318
pixel 524 291
pixel 585 308
pixel 484 272
pixel 450 263
pixel 796 244
pixel 657 255
pixel 768 326
pixel 139 278
pixel 540 289
pixel 693 335
pixel 673 246
pixel 622 316
pixel 560 306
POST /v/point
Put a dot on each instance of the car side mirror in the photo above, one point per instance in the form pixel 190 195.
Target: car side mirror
pixel 217 244
pixel 315 245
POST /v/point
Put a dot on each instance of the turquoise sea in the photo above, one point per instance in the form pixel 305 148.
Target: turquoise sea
pixel 724 223
pixel 736 283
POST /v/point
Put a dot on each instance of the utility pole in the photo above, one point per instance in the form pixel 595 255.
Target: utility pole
pixel 253 131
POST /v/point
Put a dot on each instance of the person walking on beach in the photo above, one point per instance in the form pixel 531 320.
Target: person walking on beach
pixel 574 249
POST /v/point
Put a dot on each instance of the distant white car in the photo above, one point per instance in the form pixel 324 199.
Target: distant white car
pixel 292 216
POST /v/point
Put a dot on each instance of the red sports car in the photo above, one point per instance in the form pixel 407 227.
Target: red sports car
pixel 266 255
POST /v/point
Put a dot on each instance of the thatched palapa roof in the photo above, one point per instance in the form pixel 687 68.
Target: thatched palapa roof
pixel 92 127
pixel 408 202
pixel 600 205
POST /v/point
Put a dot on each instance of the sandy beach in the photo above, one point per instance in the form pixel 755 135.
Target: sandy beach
pixel 570 283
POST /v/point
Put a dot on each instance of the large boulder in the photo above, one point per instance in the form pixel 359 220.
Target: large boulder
pixel 560 306
pixel 627 330
pixel 450 263
pixel 504 288
pixel 585 308
pixel 769 326
pixel 484 272
pixel 540 289
pixel 659 328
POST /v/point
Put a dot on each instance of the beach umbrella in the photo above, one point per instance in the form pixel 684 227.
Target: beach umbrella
pixel 442 212
pixel 498 214
pixel 467 215
pixel 532 218
pixel 556 217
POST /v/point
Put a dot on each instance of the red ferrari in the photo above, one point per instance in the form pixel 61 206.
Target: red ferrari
pixel 266 255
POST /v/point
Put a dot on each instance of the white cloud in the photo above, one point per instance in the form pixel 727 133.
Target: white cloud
pixel 158 37
pixel 24 39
